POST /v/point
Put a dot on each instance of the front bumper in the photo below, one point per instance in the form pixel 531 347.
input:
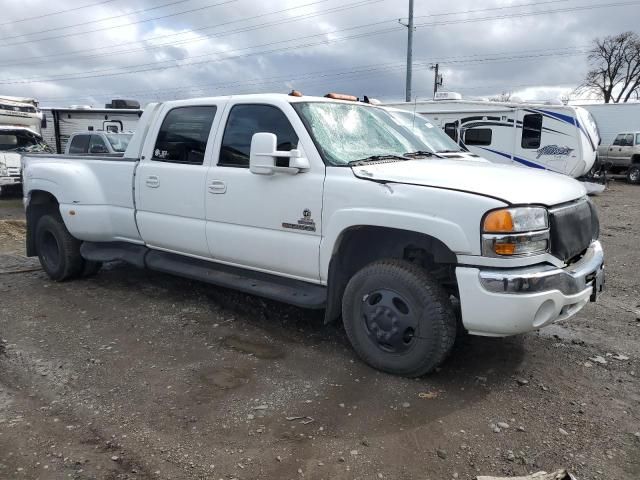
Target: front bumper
pixel 501 302
pixel 9 181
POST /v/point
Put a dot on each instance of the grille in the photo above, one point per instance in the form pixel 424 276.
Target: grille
pixel 13 171
pixel 573 228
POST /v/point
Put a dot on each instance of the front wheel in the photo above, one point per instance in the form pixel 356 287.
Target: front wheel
pixel 633 174
pixel 398 319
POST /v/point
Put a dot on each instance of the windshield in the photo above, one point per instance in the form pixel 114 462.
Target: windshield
pixel 433 137
pixel 22 142
pixel 348 132
pixel 119 141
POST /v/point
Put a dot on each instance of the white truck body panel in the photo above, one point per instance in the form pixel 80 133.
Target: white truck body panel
pixel 567 143
pixel 229 215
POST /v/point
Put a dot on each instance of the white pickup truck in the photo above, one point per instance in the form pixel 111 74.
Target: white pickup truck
pixel 328 204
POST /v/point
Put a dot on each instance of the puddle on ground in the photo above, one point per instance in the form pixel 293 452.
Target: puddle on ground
pixel 258 349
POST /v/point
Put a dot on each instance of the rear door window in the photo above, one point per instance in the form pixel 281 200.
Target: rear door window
pixel 531 131
pixel 79 144
pixel 183 135
pixel 478 136
pixel 243 122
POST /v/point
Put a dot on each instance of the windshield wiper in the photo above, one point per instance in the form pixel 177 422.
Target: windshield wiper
pixel 420 153
pixel 449 151
pixel 375 158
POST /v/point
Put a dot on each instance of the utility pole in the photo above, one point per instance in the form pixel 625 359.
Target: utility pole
pixel 410 29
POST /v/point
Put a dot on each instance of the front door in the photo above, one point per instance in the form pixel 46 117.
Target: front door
pixel 269 223
pixel 170 181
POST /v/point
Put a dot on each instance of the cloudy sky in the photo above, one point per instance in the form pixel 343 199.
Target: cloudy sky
pixel 89 51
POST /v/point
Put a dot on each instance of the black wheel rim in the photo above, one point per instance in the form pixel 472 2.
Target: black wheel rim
pixel 634 174
pixel 50 250
pixel 389 320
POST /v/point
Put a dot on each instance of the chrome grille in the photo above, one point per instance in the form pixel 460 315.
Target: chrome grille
pixel 13 171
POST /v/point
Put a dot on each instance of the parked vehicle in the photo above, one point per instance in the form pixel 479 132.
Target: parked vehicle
pixel 613 118
pixel 559 138
pixel 15 141
pixel 328 204
pixel 623 155
pixel 98 143
pixel 61 123
pixel 21 112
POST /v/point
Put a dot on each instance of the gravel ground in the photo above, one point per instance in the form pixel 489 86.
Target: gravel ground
pixel 134 374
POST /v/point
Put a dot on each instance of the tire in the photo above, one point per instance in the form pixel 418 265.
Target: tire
pixel 398 319
pixel 58 251
pixel 633 174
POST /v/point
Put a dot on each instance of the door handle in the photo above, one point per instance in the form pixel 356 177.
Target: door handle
pixel 152 181
pixel 217 187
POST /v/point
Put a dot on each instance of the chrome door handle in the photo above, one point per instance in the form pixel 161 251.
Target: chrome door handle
pixel 217 186
pixel 152 181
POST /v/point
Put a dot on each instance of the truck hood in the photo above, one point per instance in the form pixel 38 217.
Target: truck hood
pixel 512 184
pixel 10 159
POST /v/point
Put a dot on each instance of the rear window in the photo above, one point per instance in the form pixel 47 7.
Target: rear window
pixel 183 135
pixel 119 141
pixel 478 136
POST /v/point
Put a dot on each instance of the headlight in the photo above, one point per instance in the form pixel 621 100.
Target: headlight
pixel 518 231
pixel 3 170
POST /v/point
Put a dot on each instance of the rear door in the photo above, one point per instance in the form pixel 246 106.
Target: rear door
pixel 269 223
pixel 170 179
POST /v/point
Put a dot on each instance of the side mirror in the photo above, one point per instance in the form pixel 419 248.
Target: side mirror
pixel 264 153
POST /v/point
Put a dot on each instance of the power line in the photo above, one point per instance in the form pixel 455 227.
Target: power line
pixel 471 58
pixel 20 20
pixel 97 20
pixel 231 32
pixel 104 72
pixel 73 34
pixel 110 51
pixel 528 14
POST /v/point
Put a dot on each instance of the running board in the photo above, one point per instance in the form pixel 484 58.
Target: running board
pixel 294 292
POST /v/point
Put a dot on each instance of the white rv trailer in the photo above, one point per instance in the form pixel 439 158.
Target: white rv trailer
pixel 559 138
pixel 61 123
pixel 613 118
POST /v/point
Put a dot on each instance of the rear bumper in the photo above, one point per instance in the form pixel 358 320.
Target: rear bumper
pixel 501 302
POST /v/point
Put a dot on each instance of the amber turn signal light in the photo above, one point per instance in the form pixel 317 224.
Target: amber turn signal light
pixel 499 221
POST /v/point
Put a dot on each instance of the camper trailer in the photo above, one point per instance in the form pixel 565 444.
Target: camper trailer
pixel 20 112
pixel 559 138
pixel 61 123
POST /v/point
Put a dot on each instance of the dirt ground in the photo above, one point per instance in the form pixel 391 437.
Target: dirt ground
pixel 137 375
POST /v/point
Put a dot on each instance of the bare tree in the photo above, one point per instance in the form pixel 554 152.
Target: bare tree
pixel 503 97
pixel 615 68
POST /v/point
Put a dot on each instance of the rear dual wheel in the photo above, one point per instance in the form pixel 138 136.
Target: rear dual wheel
pixel 59 251
pixel 398 319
